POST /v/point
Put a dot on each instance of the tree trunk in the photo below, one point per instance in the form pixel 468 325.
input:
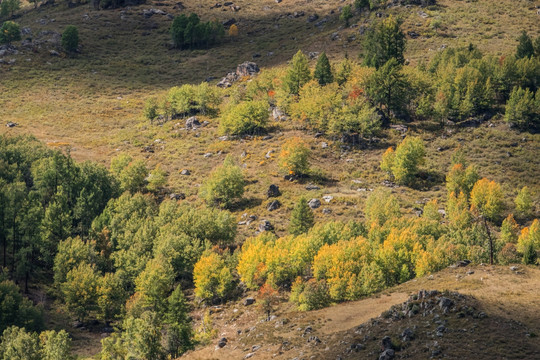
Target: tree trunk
pixel 490 241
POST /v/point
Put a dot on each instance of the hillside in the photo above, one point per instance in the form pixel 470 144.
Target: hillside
pixel 354 330
pixel 141 204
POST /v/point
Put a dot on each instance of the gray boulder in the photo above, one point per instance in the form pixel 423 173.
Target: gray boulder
pixel 314 203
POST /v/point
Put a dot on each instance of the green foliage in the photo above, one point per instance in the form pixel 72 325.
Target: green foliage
pixel 224 185
pixel 111 297
pixel 388 88
pixel 212 277
pixel 17 310
pixel 384 42
pixel 142 337
pixel 403 163
pixel 131 173
pixel 188 99
pixel 346 14
pixel 525 47
pixel 310 295
pixel 80 290
pixel 381 206
pixel 72 252
pixel 294 157
pixel 323 71
pixel 179 333
pixel 8 7
pixel 248 117
pixel 360 4
pixel 157 179
pixel 17 344
pixel 343 71
pixel 151 109
pixel 10 31
pixel 298 73
pixel 317 105
pixel 190 32
pixel 355 117
pixel 154 284
pixel 522 110
pixel 509 230
pixel 523 202
pixel 70 39
pixel 301 218
pixel 55 345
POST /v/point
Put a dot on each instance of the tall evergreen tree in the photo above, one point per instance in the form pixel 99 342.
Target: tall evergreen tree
pixel 384 42
pixel 298 73
pixel 301 218
pixel 323 71
pixel 525 47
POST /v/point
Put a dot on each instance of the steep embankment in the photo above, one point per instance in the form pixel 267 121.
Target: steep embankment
pixel 493 315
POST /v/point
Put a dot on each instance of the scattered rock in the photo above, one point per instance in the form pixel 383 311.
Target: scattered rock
pixel 269 154
pixel 229 22
pixel 273 191
pixel 445 304
pixel 314 340
pixel 247 68
pixel 312 187
pixel 314 203
pixel 54 53
pixel 207 155
pixel 413 34
pixel 387 354
pixel 386 343
pixel 514 268
pixel 265 225
pixel 326 211
pixel 407 335
pixel 192 123
pixel 185 172
pixel 327 198
pixel 179 196
pixel 313 18
pixel 463 263
pixel 324 145
pixel 255 348
pixel 249 301
pixel 222 342
pixel 273 205
pixel 249 355
pixel 279 115
pixel 11 124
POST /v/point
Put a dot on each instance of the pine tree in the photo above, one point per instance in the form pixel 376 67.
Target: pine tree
pixel 301 218
pixel 298 73
pixel 346 14
pixel 323 72
pixel 525 47
pixel 384 42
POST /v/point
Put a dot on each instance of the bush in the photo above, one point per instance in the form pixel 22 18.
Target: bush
pixel 151 109
pixel 9 32
pixel 355 118
pixel 16 309
pixel 522 110
pixel 70 39
pixel 317 105
pixel 310 295
pixel 8 7
pixel 403 163
pixel 248 117
pixel 225 184
pixel 294 157
pixel 346 14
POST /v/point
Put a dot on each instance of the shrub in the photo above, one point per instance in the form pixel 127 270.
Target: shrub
pixel 248 117
pixel 355 118
pixel 487 199
pixel 522 109
pixel 346 14
pixel 9 32
pixel 157 179
pixel 508 254
pixel 151 109
pixel 8 7
pixel 70 39
pixel 225 184
pixel 310 295
pixel 294 157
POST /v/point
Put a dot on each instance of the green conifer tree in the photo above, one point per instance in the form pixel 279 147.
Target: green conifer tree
pixel 323 72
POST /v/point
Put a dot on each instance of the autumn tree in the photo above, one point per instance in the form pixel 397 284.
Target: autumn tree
pixel 381 206
pixel 155 283
pixel 298 73
pixel 248 117
pixel 529 242
pixel 301 218
pixel 18 344
pixel 487 203
pixel 323 71
pixel 233 31
pixel 212 277
pixel 460 179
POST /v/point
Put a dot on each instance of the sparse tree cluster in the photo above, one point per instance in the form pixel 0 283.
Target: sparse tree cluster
pixel 190 32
